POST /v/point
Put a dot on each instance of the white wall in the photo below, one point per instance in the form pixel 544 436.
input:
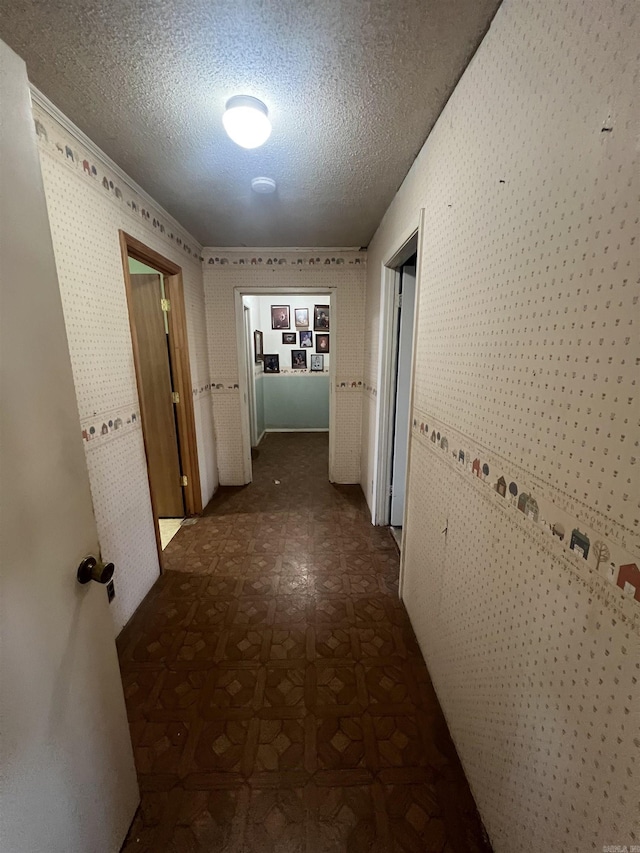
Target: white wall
pixel 273 337
pixel 526 359
pixel 303 270
pixel 88 201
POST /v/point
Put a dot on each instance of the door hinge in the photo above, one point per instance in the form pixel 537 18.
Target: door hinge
pixel 399 300
pixel 390 491
pixel 175 397
pixel 165 304
pixel 184 480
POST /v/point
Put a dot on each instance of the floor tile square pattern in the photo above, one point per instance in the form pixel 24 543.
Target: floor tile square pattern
pixel 277 698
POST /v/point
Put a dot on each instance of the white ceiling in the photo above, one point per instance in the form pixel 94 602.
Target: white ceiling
pixel 353 88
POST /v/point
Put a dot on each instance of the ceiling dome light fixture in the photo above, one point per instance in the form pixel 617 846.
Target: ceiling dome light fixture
pixel 246 121
pixel 265 186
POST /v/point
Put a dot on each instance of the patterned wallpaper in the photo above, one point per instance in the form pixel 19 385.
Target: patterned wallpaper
pixel 524 444
pixel 87 203
pixel 314 269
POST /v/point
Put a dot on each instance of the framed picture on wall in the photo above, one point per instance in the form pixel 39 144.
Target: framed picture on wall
pixel 321 318
pixel 257 346
pixel 280 317
pixel 299 359
pixel 322 343
pixel 302 317
pixel 271 363
pixel 306 339
pixel 289 338
pixel 317 363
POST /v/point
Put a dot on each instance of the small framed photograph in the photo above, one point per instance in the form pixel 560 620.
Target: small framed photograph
pixel 321 318
pixel 317 363
pixel 257 346
pixel 271 363
pixel 299 359
pixel 289 338
pixel 280 317
pixel 322 343
pixel 302 317
pixel 306 339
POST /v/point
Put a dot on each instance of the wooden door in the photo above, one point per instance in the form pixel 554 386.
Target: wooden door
pixel 68 776
pixel 154 390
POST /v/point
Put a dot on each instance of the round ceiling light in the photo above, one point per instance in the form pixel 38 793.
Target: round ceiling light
pixel 246 121
pixel 265 186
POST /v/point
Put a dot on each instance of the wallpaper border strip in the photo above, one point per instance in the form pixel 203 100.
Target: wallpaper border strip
pixel 568 538
pixel 153 215
pixel 595 517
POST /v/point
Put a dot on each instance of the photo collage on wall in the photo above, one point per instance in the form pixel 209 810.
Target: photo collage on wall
pixel 304 337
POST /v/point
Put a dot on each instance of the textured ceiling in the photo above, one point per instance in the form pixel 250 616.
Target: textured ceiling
pixel 353 89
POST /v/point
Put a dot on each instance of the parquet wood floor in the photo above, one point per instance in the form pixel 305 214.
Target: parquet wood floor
pixel 277 698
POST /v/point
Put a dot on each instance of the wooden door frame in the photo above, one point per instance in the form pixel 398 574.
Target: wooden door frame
pixel 251 380
pixel 179 348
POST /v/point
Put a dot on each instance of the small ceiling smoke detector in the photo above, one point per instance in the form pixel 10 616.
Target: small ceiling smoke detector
pixel 246 121
pixel 263 185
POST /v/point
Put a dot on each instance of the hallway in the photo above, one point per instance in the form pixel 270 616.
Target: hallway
pixel 276 696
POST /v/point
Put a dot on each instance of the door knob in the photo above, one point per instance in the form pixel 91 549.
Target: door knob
pixel 91 569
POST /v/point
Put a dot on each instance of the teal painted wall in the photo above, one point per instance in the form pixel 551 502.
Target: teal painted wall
pixel 259 385
pixel 139 267
pixel 296 402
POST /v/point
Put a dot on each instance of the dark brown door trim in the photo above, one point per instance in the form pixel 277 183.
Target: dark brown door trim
pixel 178 345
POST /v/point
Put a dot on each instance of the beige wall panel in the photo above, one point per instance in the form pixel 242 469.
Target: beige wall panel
pixel 88 202
pixel 527 360
pixel 305 270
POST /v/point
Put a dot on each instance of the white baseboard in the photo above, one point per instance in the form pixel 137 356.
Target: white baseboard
pixel 262 435
pixel 310 429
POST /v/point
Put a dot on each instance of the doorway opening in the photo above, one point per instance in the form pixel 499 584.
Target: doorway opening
pixel 394 413
pixel 158 332
pixel 286 369
pixel 401 384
